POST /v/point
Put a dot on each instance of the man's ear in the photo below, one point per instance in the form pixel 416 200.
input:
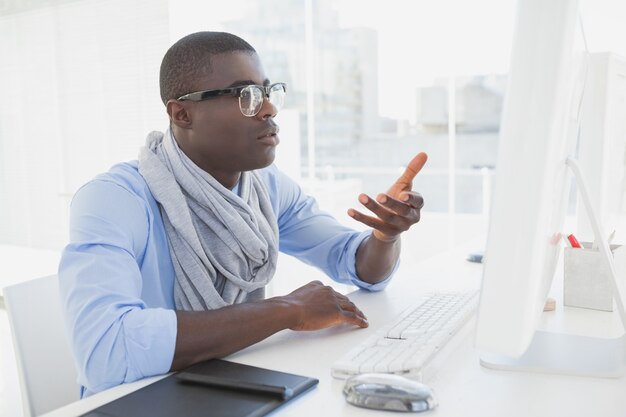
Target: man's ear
pixel 179 113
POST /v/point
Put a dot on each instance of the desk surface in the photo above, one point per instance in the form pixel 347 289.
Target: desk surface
pixel 463 387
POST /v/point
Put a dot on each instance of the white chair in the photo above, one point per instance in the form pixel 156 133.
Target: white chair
pixel 44 359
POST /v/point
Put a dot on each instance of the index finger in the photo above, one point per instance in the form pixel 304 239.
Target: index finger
pixel 412 169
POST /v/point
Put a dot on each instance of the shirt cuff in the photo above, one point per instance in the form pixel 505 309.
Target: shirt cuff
pixel 353 277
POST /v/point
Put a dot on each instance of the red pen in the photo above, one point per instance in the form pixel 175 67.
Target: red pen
pixel 574 242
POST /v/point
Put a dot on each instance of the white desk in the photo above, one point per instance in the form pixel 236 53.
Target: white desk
pixel 463 387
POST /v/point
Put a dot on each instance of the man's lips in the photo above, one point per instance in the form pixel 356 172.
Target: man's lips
pixel 272 131
pixel 270 136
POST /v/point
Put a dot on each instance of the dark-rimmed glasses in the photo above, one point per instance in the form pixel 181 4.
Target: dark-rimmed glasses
pixel 250 96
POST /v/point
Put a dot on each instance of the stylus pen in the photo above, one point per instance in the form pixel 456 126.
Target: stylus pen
pixel 280 390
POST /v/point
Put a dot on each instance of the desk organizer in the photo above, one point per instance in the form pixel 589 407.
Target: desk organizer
pixel 586 280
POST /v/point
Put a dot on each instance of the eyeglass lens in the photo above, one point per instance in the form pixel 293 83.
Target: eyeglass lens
pixel 251 99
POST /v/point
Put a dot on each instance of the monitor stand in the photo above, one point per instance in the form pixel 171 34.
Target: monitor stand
pixel 569 354
pixel 560 353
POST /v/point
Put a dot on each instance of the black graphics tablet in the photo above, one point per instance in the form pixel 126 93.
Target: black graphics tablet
pixel 212 388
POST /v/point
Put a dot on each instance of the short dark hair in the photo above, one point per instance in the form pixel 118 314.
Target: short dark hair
pixel 190 58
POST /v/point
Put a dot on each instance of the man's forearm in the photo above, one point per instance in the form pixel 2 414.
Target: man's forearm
pixel 217 333
pixel 375 259
pixel 204 335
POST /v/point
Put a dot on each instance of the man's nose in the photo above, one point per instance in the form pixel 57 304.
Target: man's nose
pixel 268 110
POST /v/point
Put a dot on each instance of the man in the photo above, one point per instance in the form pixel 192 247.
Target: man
pixel 169 255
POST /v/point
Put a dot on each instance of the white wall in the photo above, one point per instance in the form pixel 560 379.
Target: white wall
pixel 79 84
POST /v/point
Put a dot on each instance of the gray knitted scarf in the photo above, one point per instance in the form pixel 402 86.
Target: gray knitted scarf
pixel 224 247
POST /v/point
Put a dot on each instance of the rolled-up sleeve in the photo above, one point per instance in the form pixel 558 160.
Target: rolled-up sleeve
pixel 351 265
pixel 116 338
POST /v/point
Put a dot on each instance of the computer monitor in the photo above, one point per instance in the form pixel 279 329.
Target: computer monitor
pixel 538 134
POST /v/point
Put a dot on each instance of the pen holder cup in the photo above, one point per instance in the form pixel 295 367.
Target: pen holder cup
pixel 587 279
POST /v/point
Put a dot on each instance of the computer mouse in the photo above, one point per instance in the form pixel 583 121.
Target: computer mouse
pixel 388 392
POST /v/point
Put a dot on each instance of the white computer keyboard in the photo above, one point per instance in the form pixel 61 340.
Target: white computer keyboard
pixel 408 343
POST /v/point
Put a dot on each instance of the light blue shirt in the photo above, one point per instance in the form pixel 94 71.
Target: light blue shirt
pixel 117 278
